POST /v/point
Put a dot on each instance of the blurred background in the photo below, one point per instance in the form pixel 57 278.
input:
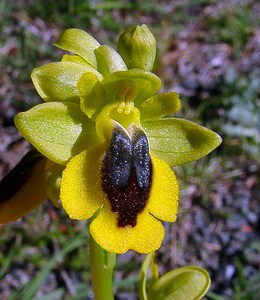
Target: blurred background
pixel 208 52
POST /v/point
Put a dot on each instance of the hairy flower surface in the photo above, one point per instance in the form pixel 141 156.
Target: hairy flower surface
pixel 106 144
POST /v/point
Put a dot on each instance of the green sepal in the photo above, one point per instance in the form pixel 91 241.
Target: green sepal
pixel 108 60
pixel 179 141
pixel 160 105
pixel 137 46
pixel 92 94
pixel 187 283
pixel 131 85
pixel 57 81
pixel 58 130
pixel 79 42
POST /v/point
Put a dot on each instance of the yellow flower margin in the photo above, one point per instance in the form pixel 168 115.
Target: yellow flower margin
pixel 82 196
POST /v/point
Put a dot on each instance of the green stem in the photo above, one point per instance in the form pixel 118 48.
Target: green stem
pixel 102 266
pixel 149 263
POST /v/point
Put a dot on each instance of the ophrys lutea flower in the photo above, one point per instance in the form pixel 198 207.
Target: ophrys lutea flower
pixel 110 148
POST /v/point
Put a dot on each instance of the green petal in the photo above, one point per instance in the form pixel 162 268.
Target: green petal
pixel 108 60
pixel 79 42
pixel 131 85
pixel 57 81
pixel 58 130
pixel 179 141
pixel 160 105
pixel 187 283
pixel 24 188
pixel 92 94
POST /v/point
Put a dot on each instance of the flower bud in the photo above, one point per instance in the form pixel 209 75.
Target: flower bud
pixel 138 48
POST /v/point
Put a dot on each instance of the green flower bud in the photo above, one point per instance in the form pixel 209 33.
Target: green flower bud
pixel 138 48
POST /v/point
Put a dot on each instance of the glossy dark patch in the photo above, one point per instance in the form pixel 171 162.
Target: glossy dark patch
pixel 127 175
pixel 119 158
pixel 141 160
pixel 18 176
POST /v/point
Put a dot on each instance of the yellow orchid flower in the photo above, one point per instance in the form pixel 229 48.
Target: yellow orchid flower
pixel 108 148
pixel 126 186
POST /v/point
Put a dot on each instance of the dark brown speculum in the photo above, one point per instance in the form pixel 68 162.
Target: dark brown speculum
pixel 127 174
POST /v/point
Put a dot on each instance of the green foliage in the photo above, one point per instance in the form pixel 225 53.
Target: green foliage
pixel 187 283
pixel 232 26
pixel 31 287
pixel 44 248
pixel 242 118
pixel 244 288
pixel 64 12
pixel 236 117
pixel 183 283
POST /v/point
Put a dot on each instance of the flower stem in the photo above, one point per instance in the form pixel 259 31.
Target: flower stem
pixel 102 266
pixel 148 263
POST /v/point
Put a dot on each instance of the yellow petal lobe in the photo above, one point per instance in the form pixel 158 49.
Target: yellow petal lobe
pixel 145 237
pixel 164 195
pixel 81 194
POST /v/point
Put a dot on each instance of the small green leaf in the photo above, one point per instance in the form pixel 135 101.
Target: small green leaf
pixel 160 105
pixel 131 85
pixel 57 81
pixel 187 283
pixel 179 141
pixel 109 61
pixel 79 42
pixel 58 130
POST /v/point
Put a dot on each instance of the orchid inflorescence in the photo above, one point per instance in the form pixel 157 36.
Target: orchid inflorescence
pixel 105 142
